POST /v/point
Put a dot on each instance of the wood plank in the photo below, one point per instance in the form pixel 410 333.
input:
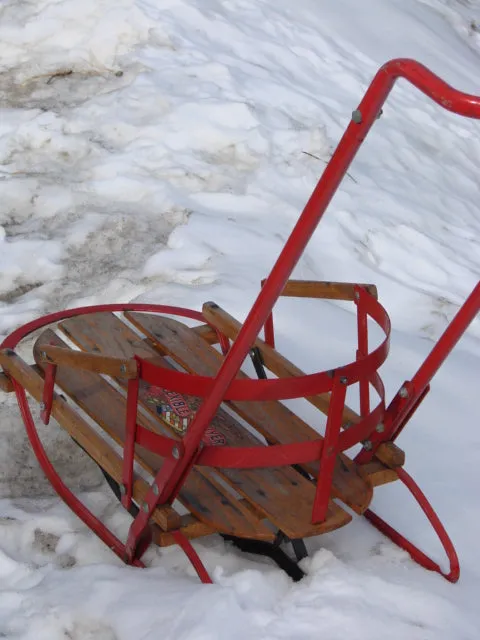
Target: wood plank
pixel 389 453
pixel 378 473
pixel 115 367
pixel 6 384
pixel 200 495
pixel 284 496
pixel 190 527
pixel 206 332
pixel 272 419
pixel 327 290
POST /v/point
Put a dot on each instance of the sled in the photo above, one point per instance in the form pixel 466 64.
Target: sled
pixel 183 410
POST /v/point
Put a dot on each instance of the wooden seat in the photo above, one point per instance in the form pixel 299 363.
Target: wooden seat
pixel 254 503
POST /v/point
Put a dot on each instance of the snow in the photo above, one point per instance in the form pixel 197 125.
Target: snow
pixel 162 151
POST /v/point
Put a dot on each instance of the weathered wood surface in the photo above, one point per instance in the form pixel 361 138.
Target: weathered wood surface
pixel 208 501
pixel 327 290
pixel 115 367
pixel 272 419
pixel 282 495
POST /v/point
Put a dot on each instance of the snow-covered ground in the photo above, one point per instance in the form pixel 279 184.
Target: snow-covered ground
pixel 161 150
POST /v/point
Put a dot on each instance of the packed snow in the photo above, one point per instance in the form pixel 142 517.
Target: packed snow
pixel 161 151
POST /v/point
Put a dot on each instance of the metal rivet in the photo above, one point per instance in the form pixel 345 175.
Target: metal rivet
pixel 380 428
pixel 403 393
pixel 343 380
pixel 367 445
pixel 357 116
pixel 145 507
pixel 123 368
pixel 175 453
pixel 155 489
pixel 356 295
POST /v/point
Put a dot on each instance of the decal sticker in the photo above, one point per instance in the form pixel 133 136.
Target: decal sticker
pixel 173 409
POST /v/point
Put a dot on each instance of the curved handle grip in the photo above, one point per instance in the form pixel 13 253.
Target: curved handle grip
pixel 425 80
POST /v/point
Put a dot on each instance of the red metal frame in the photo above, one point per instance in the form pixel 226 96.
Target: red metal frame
pixel 418 555
pixel 179 458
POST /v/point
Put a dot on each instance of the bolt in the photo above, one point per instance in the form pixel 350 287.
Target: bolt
pixel 356 295
pixel 123 368
pixel 357 116
pixel 155 489
pixel 176 452
pixel 403 393
pixel 343 380
pixel 347 425
pixel 367 445
pixel 380 428
pixel 145 507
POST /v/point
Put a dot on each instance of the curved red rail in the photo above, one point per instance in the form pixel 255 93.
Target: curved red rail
pixel 416 554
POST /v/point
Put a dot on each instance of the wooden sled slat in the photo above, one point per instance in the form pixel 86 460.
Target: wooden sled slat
pixel 200 495
pixel 272 419
pixel 282 495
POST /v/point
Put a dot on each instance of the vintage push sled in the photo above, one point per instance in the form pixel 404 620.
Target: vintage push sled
pixel 192 445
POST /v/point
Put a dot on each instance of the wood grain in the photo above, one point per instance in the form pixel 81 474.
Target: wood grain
pixel 272 419
pixel 107 407
pixel 283 496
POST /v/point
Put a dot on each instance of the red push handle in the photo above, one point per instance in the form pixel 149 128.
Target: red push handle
pixel 363 119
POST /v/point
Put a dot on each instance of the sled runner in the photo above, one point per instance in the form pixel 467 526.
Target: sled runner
pixel 164 400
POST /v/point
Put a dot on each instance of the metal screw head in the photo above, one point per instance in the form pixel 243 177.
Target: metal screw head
pixel 357 116
pixel 380 428
pixel 367 445
pixel 343 380
pixel 123 368
pixel 403 393
pixel 356 295
pixel 145 507
pixel 43 355
pixel 155 489
pixel 175 452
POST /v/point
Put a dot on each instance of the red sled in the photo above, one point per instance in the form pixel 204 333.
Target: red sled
pixel 190 444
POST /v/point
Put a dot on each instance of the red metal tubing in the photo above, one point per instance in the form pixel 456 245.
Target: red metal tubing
pixel 14 338
pixel 187 547
pixel 63 491
pixel 417 555
pixel 447 341
pixel 329 450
